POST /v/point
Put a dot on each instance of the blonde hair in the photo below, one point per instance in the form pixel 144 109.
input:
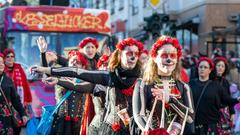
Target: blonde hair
pixel 114 60
pixel 151 71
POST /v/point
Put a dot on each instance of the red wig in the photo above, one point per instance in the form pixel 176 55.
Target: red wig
pixel 87 40
pixel 210 62
pixel 163 40
pixel 7 51
pixel 103 59
pixel 129 42
pixel 221 59
pixel 80 57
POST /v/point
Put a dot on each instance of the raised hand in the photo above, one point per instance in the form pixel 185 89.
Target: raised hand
pixel 50 81
pixel 42 44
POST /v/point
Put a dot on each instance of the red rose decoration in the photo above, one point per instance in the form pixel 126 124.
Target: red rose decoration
pixel 87 40
pixel 67 118
pixel 116 126
pixel 163 41
pixel 130 42
pixel 176 91
pixel 128 92
pixel 167 105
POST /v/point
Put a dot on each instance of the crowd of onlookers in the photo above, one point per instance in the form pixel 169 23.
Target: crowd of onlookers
pixel 232 76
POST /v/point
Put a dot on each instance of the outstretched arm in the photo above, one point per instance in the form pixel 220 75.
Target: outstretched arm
pixel 82 87
pixel 96 77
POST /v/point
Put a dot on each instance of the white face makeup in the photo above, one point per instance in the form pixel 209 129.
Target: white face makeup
pixel 89 50
pixel 166 59
pixel 129 57
pixel 220 68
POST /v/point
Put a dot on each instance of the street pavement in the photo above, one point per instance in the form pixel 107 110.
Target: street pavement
pixel 23 131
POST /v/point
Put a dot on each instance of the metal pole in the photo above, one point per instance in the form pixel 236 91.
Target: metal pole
pixel 128 18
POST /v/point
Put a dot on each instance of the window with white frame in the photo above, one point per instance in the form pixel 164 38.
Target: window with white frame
pixel 134 7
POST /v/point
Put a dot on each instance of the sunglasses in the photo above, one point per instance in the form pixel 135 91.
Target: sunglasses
pixel 131 53
pixel 10 56
pixel 167 55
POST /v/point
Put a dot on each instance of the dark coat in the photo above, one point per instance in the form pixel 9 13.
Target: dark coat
pixel 9 90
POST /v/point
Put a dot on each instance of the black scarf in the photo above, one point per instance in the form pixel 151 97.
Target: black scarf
pixel 124 79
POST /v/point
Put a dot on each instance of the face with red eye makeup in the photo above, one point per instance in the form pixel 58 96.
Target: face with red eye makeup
pixel 129 57
pixel 166 59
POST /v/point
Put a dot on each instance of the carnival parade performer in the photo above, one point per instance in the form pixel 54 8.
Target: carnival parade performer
pixel 161 86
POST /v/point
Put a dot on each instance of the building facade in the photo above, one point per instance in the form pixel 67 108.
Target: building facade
pixel 201 25
pixel 206 24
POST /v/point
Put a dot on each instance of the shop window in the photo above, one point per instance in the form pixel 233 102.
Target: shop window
pixel 188 40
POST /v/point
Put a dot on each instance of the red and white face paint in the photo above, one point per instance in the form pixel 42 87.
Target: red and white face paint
pixel 129 57
pixel 166 59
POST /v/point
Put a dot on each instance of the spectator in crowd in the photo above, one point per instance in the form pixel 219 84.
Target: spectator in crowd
pixel 233 76
pixel 8 98
pixel 17 74
pixel 208 97
pixel 235 92
pixel 220 71
pixel 217 53
pixel 189 63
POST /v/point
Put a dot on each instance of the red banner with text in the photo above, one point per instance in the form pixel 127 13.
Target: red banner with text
pixel 57 19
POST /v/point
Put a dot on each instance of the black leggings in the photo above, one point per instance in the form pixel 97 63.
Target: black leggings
pixel 17 130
